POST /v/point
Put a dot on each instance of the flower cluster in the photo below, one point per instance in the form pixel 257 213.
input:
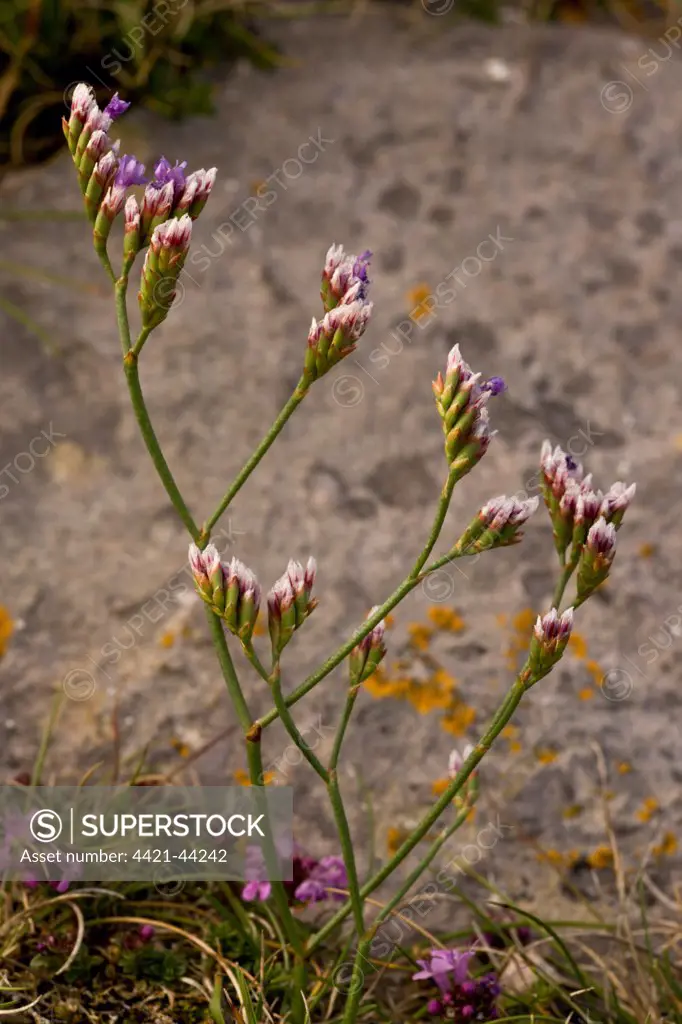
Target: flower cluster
pixel 171 201
pixel 367 655
pixel 460 997
pixel 583 518
pixel 497 525
pixel 550 636
pixel 461 402
pixel 232 591
pixel 290 602
pixel 312 879
pixel 347 311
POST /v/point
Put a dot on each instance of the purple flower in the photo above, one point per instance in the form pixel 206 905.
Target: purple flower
pixel 495 386
pixel 256 891
pixel 164 173
pixel 328 873
pixel 446 967
pixel 130 172
pixel 147 932
pixel 115 107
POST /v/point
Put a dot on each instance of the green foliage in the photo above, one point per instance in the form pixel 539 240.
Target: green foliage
pixel 153 52
pixel 154 964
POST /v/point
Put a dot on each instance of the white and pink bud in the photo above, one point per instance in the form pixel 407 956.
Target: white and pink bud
pixel 457 759
pixel 616 502
pixel 243 597
pixel 550 636
pixel 461 401
pixel 366 656
pixel 290 602
pixel 596 558
pixel 498 524
pixel 163 262
pixel 197 188
pixel 208 575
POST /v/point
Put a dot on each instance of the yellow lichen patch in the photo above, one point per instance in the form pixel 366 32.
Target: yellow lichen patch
pixel 586 694
pixel 522 626
pixel 6 628
pixel 546 755
pixel 600 858
pixel 524 621
pixel 395 837
pixel 646 550
pixel 167 639
pixel 577 645
pixel 624 767
pixel 439 786
pixel 180 747
pixel 420 636
pixel 416 299
pixel 595 670
pixel 446 618
pixel 510 733
pixel 242 778
pixel 556 858
pixel 458 720
pixel 667 847
pixel 389 621
pixel 573 811
pixel 442 678
pixel 648 809
pixel 380 685
pixel 429 696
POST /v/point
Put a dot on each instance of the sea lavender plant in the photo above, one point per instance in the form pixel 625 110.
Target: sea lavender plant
pixel 158 228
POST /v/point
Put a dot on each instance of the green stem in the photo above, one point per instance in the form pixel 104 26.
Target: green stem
pixel 356 981
pixel 290 726
pixel 139 344
pixel 566 573
pixel 252 735
pixel 441 512
pixel 120 291
pixel 247 469
pixel 335 659
pixel 153 447
pixel 388 909
pixel 341 731
pixel 343 827
pixel 509 705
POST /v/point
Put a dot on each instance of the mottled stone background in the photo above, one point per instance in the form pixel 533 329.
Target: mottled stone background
pixel 429 138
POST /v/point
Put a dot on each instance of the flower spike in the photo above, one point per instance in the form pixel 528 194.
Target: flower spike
pixel 163 262
pixel 550 636
pixel 461 402
pixel 497 525
pixel 596 558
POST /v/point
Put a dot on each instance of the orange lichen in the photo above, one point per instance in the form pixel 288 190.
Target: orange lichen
pixel 646 550
pixel 389 621
pixel 667 847
pixel 395 837
pixel 595 670
pixel 6 628
pixel 446 618
pixel 546 755
pixel 429 696
pixel 167 639
pixel 420 636
pixel 439 786
pixel 601 857
pixel 577 645
pixel 242 778
pixel 459 719
pixel 502 619
pixel 648 809
pixel 381 685
pixel 524 621
pixel 624 767
pixel 558 859
pixel 417 300
pixel 573 811
pixel 586 694
pixel 180 747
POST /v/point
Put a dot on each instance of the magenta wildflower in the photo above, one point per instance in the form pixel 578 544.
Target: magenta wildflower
pixel 446 967
pixel 115 107
pixel 147 932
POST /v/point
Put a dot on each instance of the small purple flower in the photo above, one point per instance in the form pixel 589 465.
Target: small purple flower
pixel 434 1007
pixel 328 873
pixel 495 386
pixel 446 967
pixel 147 932
pixel 130 172
pixel 115 107
pixel 164 173
pixel 256 891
